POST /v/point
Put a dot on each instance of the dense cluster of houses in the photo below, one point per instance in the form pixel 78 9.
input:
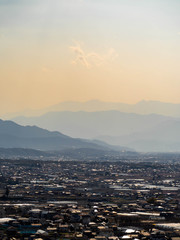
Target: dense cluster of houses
pixel 89 200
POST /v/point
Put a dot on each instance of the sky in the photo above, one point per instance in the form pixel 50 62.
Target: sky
pixel 78 50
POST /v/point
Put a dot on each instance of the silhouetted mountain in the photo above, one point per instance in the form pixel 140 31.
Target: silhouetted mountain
pixel 13 135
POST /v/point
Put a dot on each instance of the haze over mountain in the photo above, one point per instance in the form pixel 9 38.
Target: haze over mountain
pixel 13 135
pixel 142 107
pixel 164 137
pixel 141 132
pixel 93 124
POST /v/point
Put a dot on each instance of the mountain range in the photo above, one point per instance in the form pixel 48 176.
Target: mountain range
pixel 145 126
pixel 146 133
pixel 142 107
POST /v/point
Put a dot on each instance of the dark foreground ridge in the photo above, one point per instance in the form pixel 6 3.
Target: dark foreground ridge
pixel 79 154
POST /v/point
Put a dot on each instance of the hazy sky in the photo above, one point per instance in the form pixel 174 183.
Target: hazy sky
pixel 111 50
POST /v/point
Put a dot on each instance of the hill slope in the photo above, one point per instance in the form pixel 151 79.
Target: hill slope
pixel 13 135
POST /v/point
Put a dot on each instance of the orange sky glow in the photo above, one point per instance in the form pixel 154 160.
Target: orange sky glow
pixel 78 50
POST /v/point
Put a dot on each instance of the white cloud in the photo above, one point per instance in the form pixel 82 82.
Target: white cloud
pixel 80 55
pixel 90 59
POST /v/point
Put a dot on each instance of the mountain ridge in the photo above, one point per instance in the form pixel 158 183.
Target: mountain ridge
pixel 13 135
pixel 141 107
pixel 92 124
